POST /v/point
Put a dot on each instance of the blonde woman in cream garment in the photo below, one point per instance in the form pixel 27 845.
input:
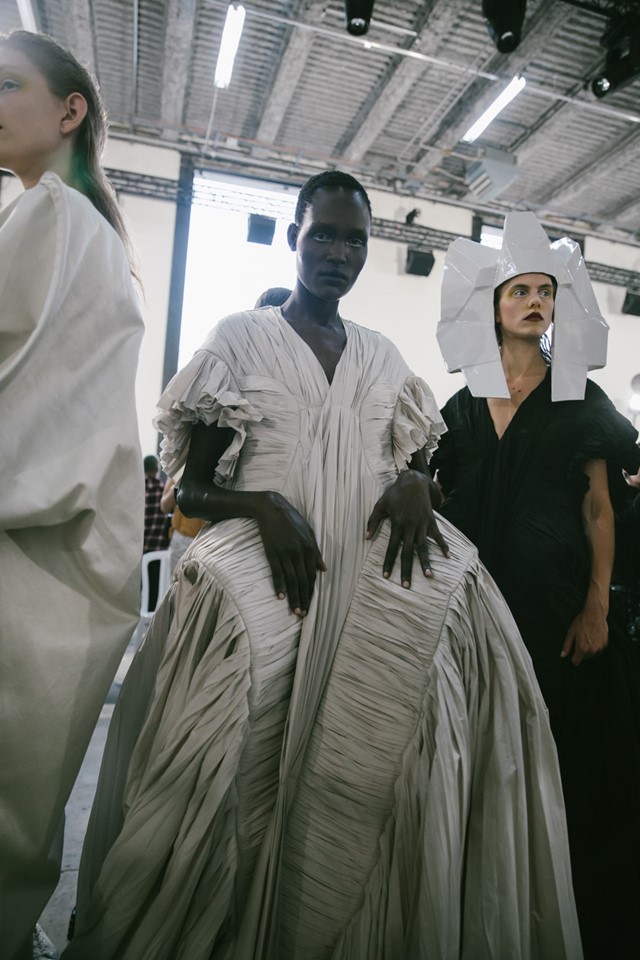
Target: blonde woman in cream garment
pixel 70 469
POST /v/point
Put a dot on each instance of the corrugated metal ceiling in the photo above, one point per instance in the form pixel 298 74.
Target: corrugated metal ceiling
pixel 304 95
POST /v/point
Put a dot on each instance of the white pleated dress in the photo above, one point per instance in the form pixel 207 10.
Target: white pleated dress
pixel 375 782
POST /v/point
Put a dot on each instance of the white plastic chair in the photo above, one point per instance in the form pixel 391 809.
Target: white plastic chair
pixel 163 579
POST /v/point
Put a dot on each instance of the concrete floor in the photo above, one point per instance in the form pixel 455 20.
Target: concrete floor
pixel 55 919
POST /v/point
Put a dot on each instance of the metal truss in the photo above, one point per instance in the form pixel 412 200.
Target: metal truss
pixel 414 235
pixel 144 185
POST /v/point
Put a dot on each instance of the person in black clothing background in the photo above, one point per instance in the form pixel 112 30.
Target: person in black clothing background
pixel 526 479
pixel 625 580
pixel 155 525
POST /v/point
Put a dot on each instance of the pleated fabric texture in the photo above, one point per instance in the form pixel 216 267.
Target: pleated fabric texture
pixel 375 781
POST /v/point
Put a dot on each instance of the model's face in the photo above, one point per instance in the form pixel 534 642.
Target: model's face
pixel 30 116
pixel 331 242
pixel 525 307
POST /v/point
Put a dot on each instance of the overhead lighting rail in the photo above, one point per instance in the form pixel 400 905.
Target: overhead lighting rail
pixel 621 40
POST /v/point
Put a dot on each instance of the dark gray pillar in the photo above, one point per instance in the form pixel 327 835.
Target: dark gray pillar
pixel 178 269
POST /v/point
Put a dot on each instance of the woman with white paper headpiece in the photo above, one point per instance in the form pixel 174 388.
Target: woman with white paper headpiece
pixel 524 468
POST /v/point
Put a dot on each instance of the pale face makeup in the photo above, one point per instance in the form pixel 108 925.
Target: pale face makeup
pixel 525 307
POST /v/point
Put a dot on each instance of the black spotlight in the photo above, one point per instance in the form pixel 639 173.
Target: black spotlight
pixel 631 303
pixel 419 262
pixel 504 22
pixel 621 40
pixel 358 16
pixel 261 229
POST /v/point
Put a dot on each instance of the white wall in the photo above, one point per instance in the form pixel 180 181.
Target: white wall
pixel 403 307
pixel 623 355
pixel 151 225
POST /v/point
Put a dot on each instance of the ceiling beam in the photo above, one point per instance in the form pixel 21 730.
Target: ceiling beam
pixel 178 56
pixel 376 116
pixel 79 32
pixel 628 211
pixel 292 64
pixel 547 21
pixel 624 151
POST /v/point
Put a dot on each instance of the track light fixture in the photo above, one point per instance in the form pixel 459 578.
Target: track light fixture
pixel 358 16
pixel 621 40
pixel 504 22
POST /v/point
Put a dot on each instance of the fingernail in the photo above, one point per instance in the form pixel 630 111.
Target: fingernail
pixel 281 596
pixel 406 584
pixel 427 572
pixel 386 574
pixel 367 535
pixel 297 611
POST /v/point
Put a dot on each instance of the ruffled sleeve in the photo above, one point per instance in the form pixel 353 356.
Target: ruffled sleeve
pixel 417 423
pixel 203 391
pixel 601 433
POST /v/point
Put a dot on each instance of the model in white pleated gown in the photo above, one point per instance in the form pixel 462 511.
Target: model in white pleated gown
pixel 377 780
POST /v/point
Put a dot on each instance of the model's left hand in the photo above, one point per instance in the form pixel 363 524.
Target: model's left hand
pixel 633 479
pixel 407 504
pixel 588 635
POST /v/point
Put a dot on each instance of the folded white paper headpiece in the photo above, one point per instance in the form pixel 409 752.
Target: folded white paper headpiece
pixel 466 330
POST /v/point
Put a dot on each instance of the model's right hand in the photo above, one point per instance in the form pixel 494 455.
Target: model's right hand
pixel 291 549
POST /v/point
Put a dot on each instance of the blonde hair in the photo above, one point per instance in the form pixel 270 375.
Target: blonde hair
pixel 64 76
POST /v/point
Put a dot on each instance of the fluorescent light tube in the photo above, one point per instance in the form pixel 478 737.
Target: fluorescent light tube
pixel 492 111
pixel 27 15
pixel 229 45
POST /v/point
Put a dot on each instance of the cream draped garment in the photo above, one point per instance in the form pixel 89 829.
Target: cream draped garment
pixel 375 782
pixel 71 513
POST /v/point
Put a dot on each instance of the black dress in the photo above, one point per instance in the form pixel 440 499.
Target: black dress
pixel 519 499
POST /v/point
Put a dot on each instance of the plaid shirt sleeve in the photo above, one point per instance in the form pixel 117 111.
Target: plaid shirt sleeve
pixel 154 519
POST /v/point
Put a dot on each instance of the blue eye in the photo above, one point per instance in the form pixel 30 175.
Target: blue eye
pixel 8 85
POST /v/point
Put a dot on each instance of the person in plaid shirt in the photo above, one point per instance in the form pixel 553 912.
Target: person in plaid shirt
pixel 155 537
pixel 155 534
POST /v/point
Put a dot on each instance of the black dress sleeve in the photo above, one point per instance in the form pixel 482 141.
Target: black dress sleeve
pixel 604 434
pixel 445 461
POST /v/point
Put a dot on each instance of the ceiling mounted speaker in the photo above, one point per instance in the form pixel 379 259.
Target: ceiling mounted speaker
pixel 261 229
pixel 490 176
pixel 419 262
pixel 632 303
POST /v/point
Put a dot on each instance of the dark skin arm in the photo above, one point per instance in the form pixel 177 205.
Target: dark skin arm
pixel 289 541
pixel 408 504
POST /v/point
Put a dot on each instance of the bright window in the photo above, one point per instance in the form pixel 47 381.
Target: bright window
pixel 225 273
